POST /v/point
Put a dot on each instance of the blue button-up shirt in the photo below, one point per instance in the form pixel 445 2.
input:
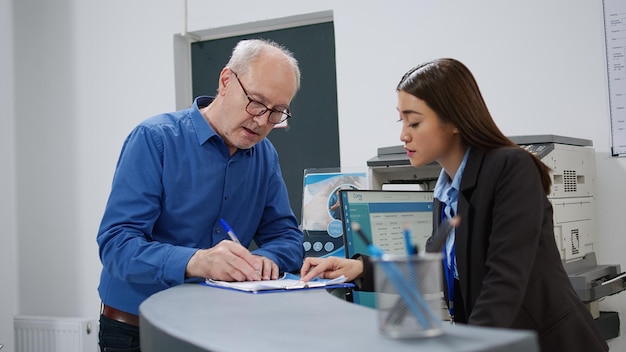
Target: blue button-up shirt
pixel 447 192
pixel 174 180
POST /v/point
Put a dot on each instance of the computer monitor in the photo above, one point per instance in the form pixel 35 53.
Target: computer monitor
pixel 383 215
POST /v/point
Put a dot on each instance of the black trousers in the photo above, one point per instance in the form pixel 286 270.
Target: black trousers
pixel 116 336
pixel 460 316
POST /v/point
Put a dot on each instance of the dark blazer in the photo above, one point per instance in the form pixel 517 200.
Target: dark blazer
pixel 510 271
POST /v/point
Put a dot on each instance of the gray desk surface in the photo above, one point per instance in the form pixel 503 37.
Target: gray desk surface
pixel 193 317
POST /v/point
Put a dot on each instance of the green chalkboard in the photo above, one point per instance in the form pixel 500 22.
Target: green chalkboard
pixel 312 138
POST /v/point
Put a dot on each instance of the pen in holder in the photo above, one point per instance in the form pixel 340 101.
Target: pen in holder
pixel 408 295
pixel 408 292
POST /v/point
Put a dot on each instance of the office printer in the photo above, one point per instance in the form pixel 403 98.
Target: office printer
pixel 572 161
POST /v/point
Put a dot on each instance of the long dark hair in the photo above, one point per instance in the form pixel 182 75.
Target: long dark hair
pixel 448 87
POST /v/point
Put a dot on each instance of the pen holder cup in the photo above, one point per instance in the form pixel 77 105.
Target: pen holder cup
pixel 409 295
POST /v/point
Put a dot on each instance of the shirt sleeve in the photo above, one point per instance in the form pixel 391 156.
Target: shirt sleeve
pixel 366 281
pixel 126 248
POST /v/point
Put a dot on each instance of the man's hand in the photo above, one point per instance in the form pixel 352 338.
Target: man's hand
pixel 229 261
pixel 270 269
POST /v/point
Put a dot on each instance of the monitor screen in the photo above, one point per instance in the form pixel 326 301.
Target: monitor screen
pixel 383 215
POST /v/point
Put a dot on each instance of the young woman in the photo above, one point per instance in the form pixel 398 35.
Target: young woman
pixel 501 262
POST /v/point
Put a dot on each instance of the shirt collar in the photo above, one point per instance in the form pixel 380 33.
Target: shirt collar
pixel 203 128
pixel 204 131
pixel 446 188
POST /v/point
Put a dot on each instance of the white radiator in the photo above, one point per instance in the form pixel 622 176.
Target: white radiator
pixel 55 334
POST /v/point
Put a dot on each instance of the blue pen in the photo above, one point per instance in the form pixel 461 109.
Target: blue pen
pixel 234 238
pixel 409 295
pixel 410 249
pixel 229 231
pixel 398 311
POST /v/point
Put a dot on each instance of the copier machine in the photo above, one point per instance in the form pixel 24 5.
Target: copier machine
pixel 572 161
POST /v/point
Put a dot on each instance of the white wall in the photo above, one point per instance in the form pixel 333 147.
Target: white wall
pixel 8 233
pixel 87 71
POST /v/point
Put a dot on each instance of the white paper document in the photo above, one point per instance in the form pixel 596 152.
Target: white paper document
pixel 287 282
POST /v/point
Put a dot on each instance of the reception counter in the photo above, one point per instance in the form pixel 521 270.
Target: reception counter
pixel 194 317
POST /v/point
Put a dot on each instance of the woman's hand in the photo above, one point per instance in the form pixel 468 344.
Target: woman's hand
pixel 330 268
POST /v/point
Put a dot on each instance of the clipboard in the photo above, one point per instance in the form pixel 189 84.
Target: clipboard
pixel 288 282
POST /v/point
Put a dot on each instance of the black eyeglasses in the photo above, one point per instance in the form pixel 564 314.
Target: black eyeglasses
pixel 256 108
